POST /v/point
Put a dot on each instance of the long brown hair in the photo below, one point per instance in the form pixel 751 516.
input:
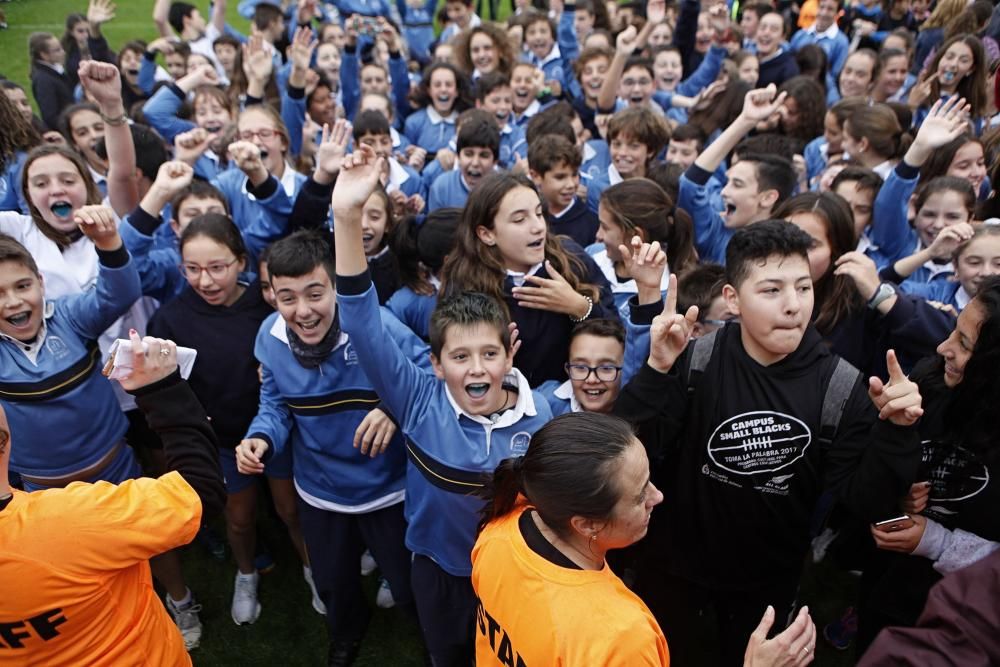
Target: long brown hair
pixel 61 239
pixel 477 267
pixel 17 135
pixel 639 203
pixel 973 86
pixel 836 296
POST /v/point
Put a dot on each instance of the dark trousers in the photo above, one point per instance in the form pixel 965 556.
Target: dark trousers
pixel 335 542
pixel 683 609
pixel 446 606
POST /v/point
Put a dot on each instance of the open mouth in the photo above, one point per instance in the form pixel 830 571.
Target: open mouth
pixel 636 99
pixel 212 128
pixel 595 393
pixel 62 209
pixel 263 154
pixel 473 174
pixel 132 72
pixel 537 244
pixel 309 325
pixel 477 389
pixel 20 320
pixel 730 210
pixel 444 99
pixel 522 93
pixel 948 76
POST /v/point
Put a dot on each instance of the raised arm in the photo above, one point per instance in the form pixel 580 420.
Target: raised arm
pixel 218 20
pixel 161 9
pixel 758 105
pixel 102 82
pixel 176 416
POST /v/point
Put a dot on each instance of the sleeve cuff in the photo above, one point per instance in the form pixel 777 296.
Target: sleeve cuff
pixel 933 542
pixel 644 314
pixel 143 221
pixel 354 285
pixel 697 175
pixel 251 101
pixel 168 381
pixel 313 189
pixel 296 93
pixel 175 89
pixel 265 189
pixel 113 259
pixel 351 49
pixel 907 171
pixel 270 445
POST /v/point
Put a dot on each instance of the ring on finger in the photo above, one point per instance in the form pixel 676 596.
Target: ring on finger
pixel 164 352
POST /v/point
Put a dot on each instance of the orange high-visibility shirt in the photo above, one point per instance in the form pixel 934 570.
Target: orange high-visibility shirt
pixel 75 587
pixel 534 613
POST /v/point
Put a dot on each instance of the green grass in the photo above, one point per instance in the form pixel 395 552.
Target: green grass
pixel 133 20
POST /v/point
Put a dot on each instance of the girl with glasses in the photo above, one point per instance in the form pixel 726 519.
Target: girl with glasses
pixel 219 314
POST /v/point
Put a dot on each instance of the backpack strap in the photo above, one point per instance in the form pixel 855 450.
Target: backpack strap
pixel 838 391
pixel 702 350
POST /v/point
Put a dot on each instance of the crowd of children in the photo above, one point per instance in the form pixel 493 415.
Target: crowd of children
pixel 440 272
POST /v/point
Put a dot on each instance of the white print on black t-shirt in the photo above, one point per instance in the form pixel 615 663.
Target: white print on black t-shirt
pixel 955 474
pixel 758 442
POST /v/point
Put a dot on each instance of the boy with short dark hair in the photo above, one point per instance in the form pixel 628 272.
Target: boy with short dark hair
pixel 636 135
pixel 461 16
pixel 756 184
pixel 459 425
pixel 760 419
pixel 478 147
pixel 686 142
pixel 494 94
pixel 701 286
pixel 859 187
pixel 371 128
pixel 317 399
pixel 554 166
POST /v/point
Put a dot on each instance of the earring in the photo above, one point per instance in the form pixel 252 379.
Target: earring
pixel 593 537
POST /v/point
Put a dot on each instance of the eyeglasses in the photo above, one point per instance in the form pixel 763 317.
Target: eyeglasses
pixel 581 372
pixel 265 134
pixel 193 271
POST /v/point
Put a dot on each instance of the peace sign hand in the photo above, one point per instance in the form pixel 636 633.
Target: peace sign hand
pixel 670 332
pixel 898 401
pixel 554 294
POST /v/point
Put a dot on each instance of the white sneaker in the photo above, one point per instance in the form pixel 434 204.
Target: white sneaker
pixel 187 621
pixel 245 608
pixel 384 596
pixel 368 563
pixel 318 605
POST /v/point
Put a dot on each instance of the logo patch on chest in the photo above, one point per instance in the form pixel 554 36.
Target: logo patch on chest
pixel 758 442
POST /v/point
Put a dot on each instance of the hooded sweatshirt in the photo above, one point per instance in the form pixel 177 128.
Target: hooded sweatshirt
pixel 745 464
pixel 224 376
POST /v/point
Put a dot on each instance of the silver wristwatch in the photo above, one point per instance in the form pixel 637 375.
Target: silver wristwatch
pixel 884 291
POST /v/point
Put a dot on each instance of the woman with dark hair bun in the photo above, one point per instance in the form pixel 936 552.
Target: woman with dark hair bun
pixel 547 595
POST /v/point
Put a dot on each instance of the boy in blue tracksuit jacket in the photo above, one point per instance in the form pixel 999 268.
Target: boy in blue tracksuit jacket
pixel 315 396
pixel 457 430
pixel 69 424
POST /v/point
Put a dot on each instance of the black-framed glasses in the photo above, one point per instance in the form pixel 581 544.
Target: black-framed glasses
pixel 604 373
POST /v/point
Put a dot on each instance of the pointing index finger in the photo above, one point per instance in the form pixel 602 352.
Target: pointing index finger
pixel 896 373
pixel 670 303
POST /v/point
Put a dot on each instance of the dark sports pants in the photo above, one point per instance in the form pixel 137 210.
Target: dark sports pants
pixel 335 542
pixel 681 607
pixel 446 606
